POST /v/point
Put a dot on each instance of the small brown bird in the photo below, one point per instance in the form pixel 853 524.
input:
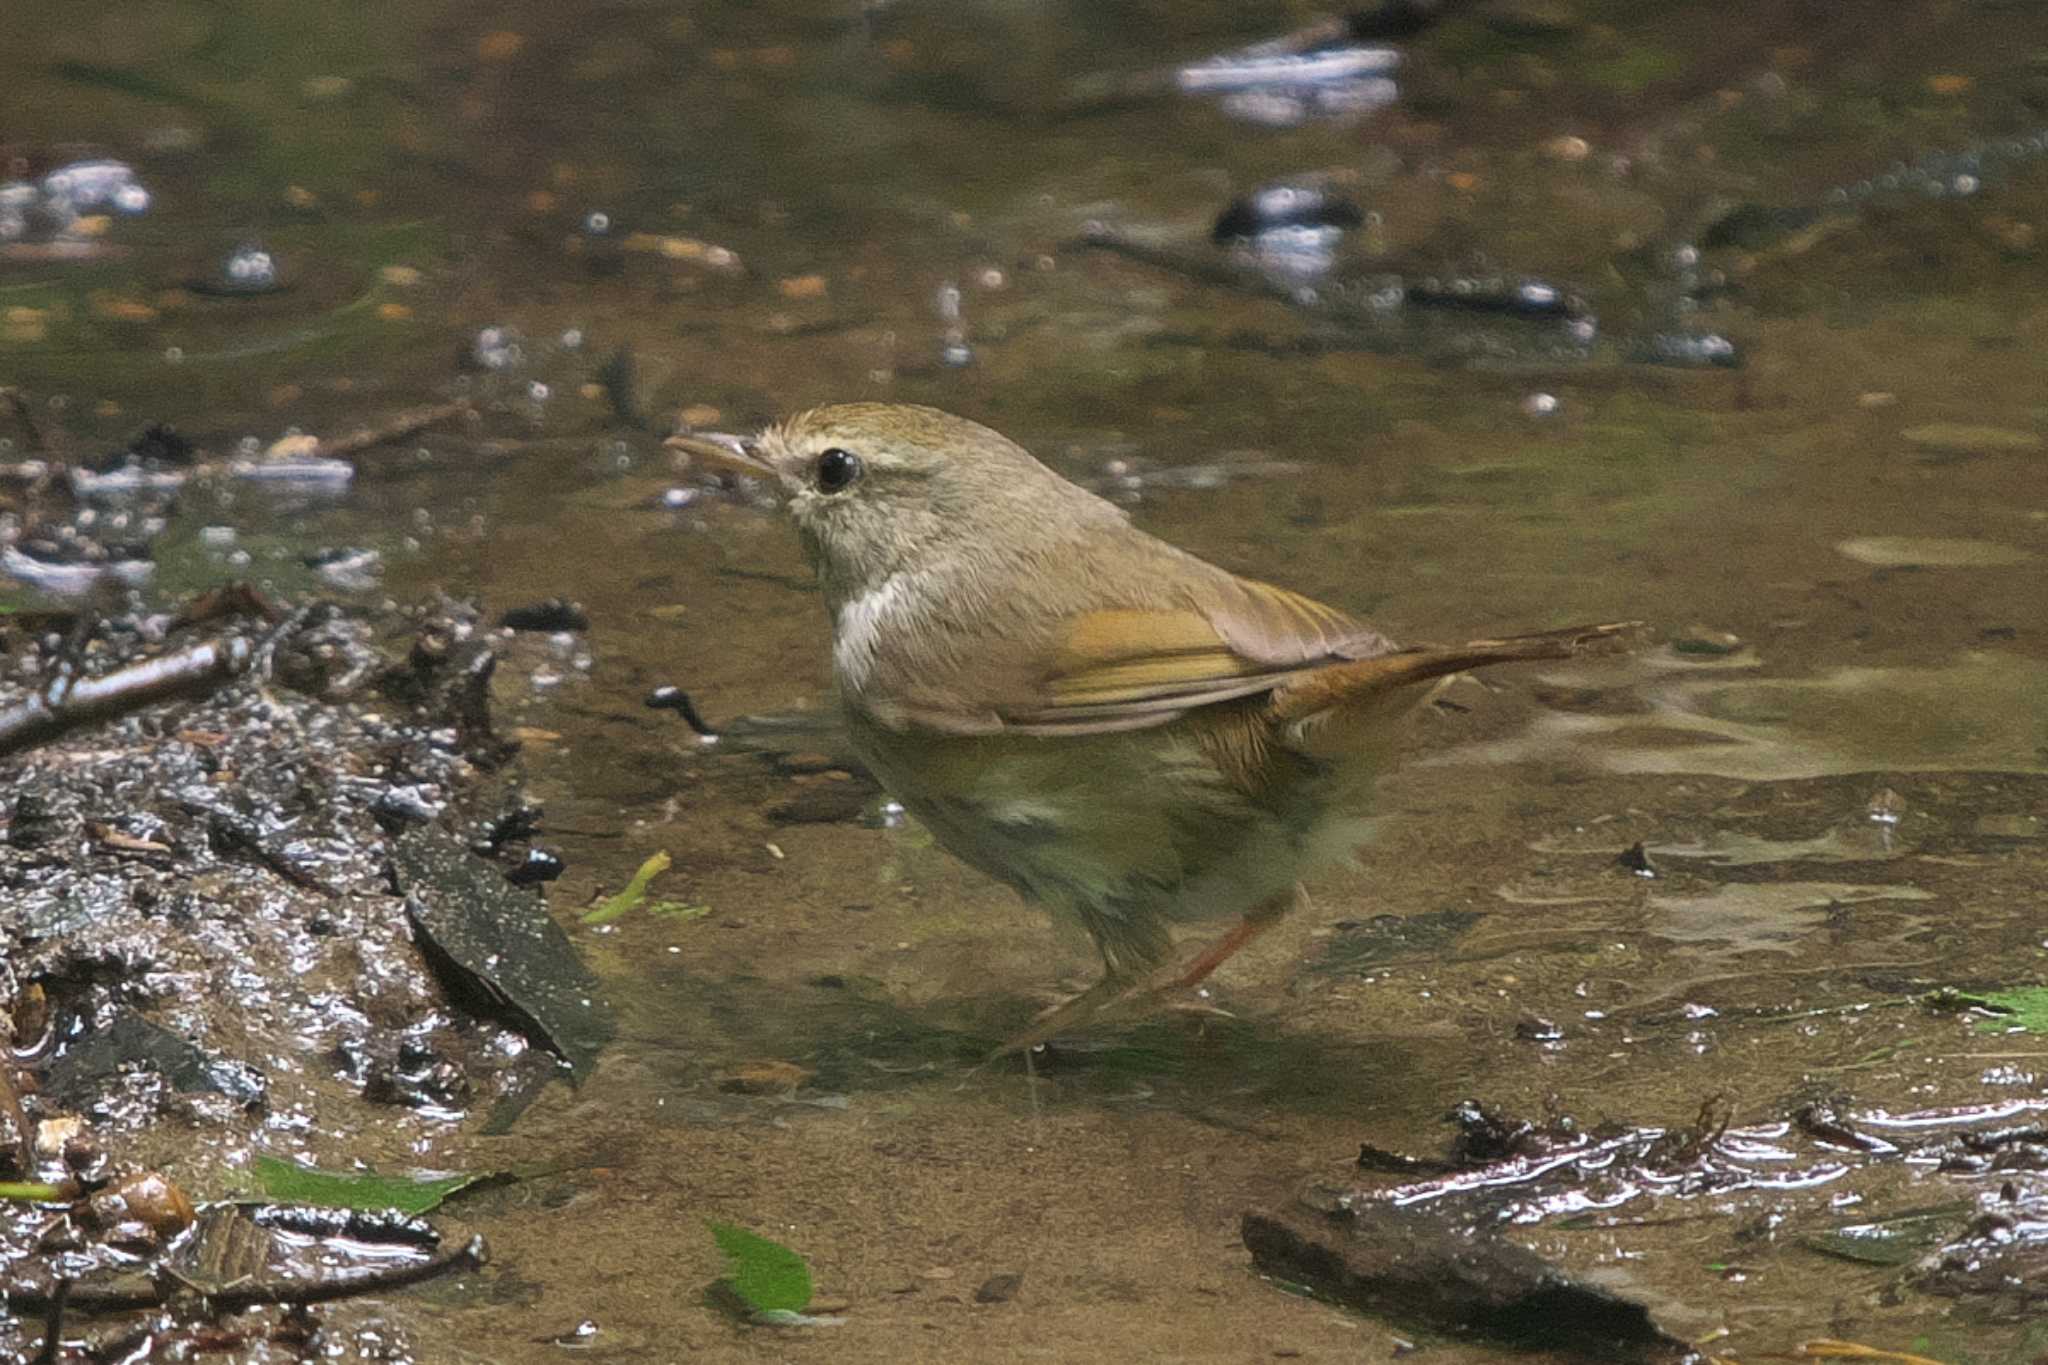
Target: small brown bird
pixel 1115 728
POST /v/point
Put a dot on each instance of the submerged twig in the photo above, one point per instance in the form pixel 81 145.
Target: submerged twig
pixel 159 1293
pixel 53 1325
pixel 84 701
pixel 397 428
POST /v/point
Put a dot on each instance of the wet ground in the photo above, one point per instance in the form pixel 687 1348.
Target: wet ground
pixel 1832 747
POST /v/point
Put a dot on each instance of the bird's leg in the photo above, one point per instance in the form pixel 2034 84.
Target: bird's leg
pixel 1118 994
pixel 1256 921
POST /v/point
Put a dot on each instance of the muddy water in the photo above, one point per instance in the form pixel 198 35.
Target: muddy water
pixel 1862 505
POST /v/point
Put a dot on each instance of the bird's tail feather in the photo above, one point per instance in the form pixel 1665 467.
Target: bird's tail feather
pixel 1368 680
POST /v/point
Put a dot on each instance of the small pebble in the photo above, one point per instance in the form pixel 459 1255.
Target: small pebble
pixel 999 1288
pixel 1704 640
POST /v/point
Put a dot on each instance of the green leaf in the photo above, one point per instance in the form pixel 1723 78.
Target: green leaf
pixel 611 907
pixel 295 1184
pixel 2024 1007
pixel 678 910
pixel 767 1276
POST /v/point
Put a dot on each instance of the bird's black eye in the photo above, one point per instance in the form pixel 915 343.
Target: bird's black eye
pixel 838 470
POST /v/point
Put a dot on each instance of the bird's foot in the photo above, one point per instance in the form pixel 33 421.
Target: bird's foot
pixel 1110 998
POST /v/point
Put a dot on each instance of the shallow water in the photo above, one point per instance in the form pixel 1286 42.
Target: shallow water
pixel 1863 504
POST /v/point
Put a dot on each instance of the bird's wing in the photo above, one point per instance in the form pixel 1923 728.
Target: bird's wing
pixel 1128 668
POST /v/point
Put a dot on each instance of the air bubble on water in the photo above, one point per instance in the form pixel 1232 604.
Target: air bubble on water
pixel 538 391
pixel 174 354
pixel 497 348
pixel 249 267
pixel 1964 184
pixel 572 339
pixel 597 223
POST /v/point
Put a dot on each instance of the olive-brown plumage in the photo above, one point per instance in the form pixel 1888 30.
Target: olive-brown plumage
pixel 1118 729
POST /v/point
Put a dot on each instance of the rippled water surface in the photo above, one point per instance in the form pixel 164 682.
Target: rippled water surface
pixel 1784 402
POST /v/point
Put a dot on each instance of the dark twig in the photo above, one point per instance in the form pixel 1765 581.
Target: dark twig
pixel 472 1255
pixel 189 672
pixel 672 698
pixel 53 1324
pixel 232 833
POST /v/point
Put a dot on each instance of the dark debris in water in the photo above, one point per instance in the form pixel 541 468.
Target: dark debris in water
pixel 1416 1269
pixel 101 1058
pixel 499 943
pixel 1361 1243
pixel 201 945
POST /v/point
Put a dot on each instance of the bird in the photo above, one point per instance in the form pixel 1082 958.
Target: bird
pixel 1125 733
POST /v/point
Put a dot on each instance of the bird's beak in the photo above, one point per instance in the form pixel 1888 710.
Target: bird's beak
pixel 722 451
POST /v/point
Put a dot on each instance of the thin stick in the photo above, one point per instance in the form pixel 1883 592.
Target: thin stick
pixel 398 428
pixel 472 1255
pixel 53 1327
pixel 84 701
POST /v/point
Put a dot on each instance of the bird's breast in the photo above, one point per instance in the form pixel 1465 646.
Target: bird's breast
pixel 865 620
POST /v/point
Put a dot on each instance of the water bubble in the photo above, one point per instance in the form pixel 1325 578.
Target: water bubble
pixel 497 348
pixel 1965 184
pixel 249 269
pixel 81 185
pixel 174 354
pixel 1539 405
pixel 572 339
pixel 538 391
pixel 597 223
